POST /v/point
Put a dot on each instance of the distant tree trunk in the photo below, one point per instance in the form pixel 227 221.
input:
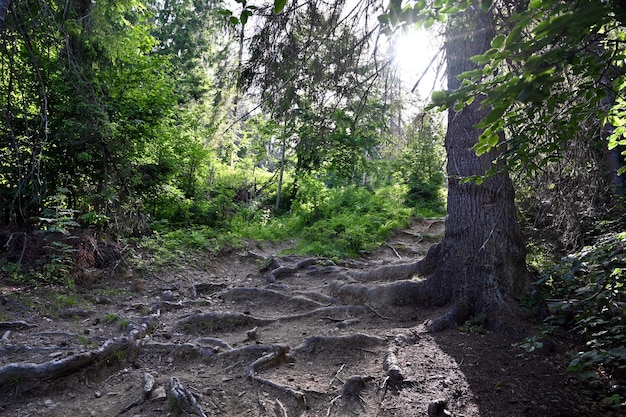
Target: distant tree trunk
pixel 282 170
pixel 481 262
pixel 4 7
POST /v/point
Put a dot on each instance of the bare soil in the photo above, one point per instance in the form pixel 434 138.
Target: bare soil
pixel 229 338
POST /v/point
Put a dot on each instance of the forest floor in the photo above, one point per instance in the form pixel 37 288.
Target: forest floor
pixel 256 333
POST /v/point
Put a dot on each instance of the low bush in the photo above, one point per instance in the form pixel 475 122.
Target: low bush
pixel 591 284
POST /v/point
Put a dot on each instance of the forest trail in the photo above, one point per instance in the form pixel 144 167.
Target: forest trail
pixel 256 334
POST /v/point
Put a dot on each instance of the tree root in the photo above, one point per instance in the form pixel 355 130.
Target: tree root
pixel 276 358
pixel 323 310
pixel 314 343
pixel 23 371
pixel 354 385
pixel 268 296
pixel 279 271
pixel 455 315
pixel 221 321
pixel 184 398
pixel 399 293
pixel 320 298
pixel 402 271
pixel 270 360
pixel 217 344
pixel 53 369
pixel 248 352
pixel 15 325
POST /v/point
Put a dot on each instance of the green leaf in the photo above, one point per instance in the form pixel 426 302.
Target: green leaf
pixel 493 116
pixel 534 4
pixel 233 20
pixel 439 97
pixel 498 41
pixel 279 5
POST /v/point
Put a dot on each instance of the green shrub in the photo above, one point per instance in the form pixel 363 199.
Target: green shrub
pixel 593 282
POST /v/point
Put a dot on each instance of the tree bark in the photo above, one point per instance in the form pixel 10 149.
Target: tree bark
pixel 481 264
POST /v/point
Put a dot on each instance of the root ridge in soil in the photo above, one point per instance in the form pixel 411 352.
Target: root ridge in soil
pixel 300 337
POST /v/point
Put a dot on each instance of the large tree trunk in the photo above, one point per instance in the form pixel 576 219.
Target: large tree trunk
pixel 481 266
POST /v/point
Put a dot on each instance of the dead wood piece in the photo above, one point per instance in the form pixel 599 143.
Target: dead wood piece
pixel 391 366
pixel 270 360
pixel 279 409
pixel 268 296
pixel 185 398
pixel 15 325
pixel 214 321
pixel 148 384
pixel 59 367
pixel 275 273
pixel 148 323
pixel 394 250
pixel 355 341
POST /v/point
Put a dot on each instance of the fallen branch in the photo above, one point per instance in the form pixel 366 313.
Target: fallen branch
pixel 391 366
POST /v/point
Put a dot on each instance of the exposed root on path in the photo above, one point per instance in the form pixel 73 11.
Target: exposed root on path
pixel 279 270
pixel 56 368
pixel 213 321
pixel 271 360
pixel 111 349
pixel 399 293
pixel 315 344
pixel 268 296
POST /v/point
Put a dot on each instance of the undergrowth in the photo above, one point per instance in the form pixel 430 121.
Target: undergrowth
pixel 334 222
pixel 590 289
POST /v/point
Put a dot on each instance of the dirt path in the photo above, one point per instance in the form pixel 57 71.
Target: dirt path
pixel 234 339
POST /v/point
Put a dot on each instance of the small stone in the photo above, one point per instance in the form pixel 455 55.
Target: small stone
pixel 48 402
pixel 159 394
pixel 168 295
pixel 97 394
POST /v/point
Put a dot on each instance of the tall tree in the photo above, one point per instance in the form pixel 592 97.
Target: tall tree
pixel 481 263
pixel 309 64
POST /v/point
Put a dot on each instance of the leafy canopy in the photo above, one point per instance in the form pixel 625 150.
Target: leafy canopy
pixel 555 67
